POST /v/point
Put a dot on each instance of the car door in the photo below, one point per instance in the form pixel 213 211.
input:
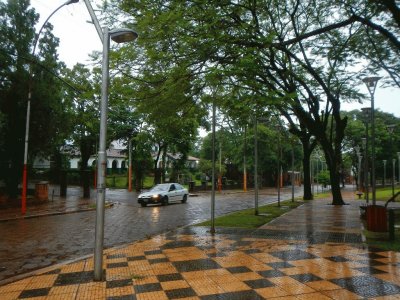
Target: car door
pixel 180 191
pixel 172 193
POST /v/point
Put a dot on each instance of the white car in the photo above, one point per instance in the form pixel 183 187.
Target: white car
pixel 164 194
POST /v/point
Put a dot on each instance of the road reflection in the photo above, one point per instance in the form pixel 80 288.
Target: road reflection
pixel 155 214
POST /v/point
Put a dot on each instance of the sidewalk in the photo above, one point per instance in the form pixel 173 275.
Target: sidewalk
pixel 312 252
pixel 54 206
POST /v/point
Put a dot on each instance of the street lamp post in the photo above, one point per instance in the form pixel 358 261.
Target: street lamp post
pixel 212 229
pixel 118 36
pixel 292 177
pixel 130 165
pixel 244 160
pixel 384 173
pixel 393 174
pixel 278 127
pixel 28 110
pixel 255 166
pixel 371 83
pixel 364 142
pixel 390 129
pixel 398 157
pixel 366 112
pixel 359 156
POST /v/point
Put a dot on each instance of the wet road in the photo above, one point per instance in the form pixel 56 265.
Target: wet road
pixel 29 244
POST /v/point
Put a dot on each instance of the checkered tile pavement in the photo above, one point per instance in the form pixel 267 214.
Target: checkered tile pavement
pixel 272 262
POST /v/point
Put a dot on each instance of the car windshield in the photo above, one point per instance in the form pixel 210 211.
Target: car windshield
pixel 160 187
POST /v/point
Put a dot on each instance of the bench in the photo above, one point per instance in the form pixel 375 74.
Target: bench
pixel 359 194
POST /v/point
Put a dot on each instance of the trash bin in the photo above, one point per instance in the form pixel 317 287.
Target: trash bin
pixel 42 191
pixel 191 186
pixel 376 218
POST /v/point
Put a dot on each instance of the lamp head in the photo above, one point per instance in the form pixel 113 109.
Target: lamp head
pixel 71 2
pixel 371 83
pixel 123 35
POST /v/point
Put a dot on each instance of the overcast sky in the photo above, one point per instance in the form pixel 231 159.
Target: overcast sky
pixel 78 38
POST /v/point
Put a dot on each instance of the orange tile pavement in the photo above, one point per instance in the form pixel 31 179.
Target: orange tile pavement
pixel 313 252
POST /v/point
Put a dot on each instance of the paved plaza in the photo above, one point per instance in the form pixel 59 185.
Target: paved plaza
pixel 313 252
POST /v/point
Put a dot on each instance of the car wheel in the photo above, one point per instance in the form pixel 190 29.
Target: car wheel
pixel 165 201
pixel 184 199
pixel 143 204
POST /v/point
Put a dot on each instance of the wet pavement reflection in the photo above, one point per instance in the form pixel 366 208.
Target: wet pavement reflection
pixel 285 259
pixel 30 243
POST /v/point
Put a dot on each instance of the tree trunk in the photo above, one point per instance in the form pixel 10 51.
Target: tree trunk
pixel 157 173
pixel 85 175
pixel 306 167
pixel 164 163
pixel 335 186
pixel 334 163
pixel 85 148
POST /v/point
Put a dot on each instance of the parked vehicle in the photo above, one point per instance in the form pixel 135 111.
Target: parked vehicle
pixel 164 194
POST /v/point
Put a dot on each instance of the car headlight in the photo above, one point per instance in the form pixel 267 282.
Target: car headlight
pixel 155 196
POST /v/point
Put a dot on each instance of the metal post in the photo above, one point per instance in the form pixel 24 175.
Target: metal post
pixel 367 115
pixel 279 166
pixel 102 163
pixel 317 174
pixel 371 83
pixel 398 157
pixel 244 161
pixel 393 174
pixel 359 171
pixel 359 157
pixel 384 173
pixel 312 173
pixel 130 166
pixel 292 174
pixel 212 230
pixel 364 141
pixel 220 165
pixel 373 150
pixel 94 20
pixel 390 129
pixel 255 166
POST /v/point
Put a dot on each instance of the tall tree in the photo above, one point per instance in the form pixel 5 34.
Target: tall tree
pixel 17 36
pixel 84 116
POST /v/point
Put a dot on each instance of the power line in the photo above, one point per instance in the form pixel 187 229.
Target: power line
pixel 79 92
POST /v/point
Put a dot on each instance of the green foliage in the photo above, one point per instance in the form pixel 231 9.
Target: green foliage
pixel 18 63
pixel 323 178
pixel 205 166
pixel 386 145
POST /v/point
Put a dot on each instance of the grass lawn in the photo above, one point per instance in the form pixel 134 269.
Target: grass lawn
pixel 117 181
pixel 381 240
pixel 382 194
pixel 247 219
